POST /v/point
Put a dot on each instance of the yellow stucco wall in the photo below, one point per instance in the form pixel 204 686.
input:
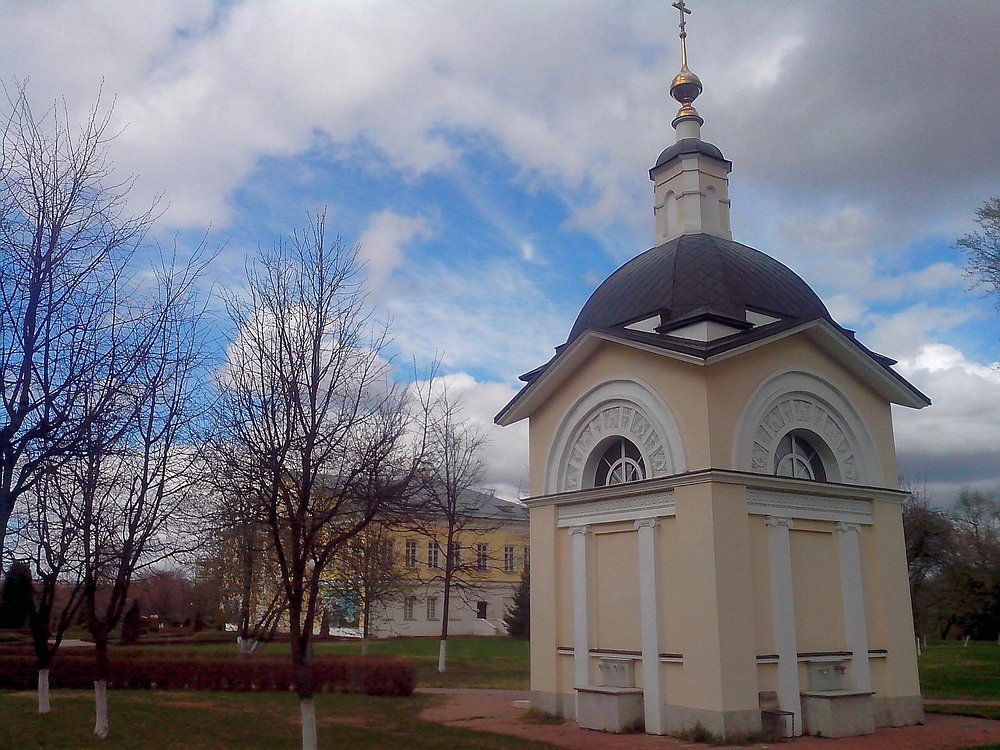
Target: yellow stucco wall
pixel 714 589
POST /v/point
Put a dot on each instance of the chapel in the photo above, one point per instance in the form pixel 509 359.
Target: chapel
pixel 715 516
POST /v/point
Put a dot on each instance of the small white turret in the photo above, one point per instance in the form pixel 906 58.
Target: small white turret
pixel 691 178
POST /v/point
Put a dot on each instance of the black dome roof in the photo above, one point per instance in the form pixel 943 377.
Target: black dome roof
pixel 689 146
pixel 694 273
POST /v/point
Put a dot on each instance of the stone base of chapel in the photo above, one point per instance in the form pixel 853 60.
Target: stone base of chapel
pixel 899 711
pixel 724 724
pixel 902 711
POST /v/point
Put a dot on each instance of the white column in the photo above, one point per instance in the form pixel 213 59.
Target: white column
pixel 581 607
pixel 783 616
pixel 649 617
pixel 853 594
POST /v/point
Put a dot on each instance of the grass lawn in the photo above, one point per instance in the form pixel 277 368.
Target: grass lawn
pixel 950 670
pixel 982 712
pixel 250 721
pixel 499 663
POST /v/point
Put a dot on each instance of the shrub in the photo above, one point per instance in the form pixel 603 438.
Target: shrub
pixel 15 596
pixel 132 624
pixel 138 671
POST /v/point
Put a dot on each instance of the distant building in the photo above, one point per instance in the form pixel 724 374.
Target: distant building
pixel 491 553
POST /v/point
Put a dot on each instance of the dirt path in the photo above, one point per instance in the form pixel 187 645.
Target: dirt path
pixel 494 711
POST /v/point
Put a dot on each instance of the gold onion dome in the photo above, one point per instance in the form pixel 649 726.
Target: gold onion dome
pixel 685 88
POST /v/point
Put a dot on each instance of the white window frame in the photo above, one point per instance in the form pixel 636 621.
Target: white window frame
pixel 432 608
pixel 412 553
pixel 509 558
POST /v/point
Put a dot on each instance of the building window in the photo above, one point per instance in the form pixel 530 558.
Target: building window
pixel 622 462
pixel 456 555
pixel 527 556
pixel 797 457
pixel 432 607
pixel 433 555
pixel 408 604
pixel 411 553
pixel 509 558
pixel 482 556
pixel 481 610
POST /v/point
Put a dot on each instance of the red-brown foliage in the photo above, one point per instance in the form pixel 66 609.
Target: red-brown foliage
pixel 340 674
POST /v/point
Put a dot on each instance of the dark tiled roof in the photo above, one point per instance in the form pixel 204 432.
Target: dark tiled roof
pixel 689 146
pixel 488 506
pixel 694 272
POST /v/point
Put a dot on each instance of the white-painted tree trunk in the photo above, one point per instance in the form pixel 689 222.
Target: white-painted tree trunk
pixel 443 656
pixel 101 699
pixel 308 708
pixel 43 691
pixel 364 647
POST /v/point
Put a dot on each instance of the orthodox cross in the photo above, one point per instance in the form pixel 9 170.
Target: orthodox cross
pixel 683 10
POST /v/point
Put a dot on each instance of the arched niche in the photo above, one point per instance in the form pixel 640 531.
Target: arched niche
pixel 803 403
pixel 622 408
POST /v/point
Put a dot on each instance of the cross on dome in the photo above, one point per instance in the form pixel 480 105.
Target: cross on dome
pixel 684 10
pixel 686 86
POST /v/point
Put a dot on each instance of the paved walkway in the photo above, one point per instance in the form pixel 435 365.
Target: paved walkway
pixel 494 711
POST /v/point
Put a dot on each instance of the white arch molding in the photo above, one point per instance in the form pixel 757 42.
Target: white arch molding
pixel 802 400
pixel 625 408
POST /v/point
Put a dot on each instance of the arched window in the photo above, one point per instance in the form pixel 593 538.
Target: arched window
pixel 622 462
pixel 797 456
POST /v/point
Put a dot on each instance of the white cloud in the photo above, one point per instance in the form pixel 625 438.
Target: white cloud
pixel 475 315
pixel 382 243
pixel 904 334
pixel 505 452
pixel 955 441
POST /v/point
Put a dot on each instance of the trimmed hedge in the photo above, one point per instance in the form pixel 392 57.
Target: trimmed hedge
pixel 342 674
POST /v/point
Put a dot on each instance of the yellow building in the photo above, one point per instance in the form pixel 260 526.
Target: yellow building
pixel 491 553
pixel 715 513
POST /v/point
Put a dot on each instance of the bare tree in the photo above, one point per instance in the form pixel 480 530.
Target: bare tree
pixel 451 513
pixel 242 558
pixel 136 477
pixel 66 240
pixel 311 417
pixel 983 247
pixel 52 537
pixel 368 568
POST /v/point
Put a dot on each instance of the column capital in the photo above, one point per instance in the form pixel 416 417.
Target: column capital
pixel 845 527
pixel 644 523
pixel 779 521
pixel 574 530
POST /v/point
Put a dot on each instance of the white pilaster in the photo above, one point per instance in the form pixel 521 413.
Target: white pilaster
pixel 650 621
pixel 852 591
pixel 581 606
pixel 783 616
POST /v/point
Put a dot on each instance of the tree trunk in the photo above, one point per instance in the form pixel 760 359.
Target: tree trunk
pixel 101 701
pixel 445 614
pixel 308 710
pixel 304 685
pixel 101 688
pixel 43 691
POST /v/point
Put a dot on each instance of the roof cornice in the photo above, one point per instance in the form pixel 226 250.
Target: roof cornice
pixel 721 476
pixel 886 382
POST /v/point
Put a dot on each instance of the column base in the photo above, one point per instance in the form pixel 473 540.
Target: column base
pixel 838 713
pixel 610 709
